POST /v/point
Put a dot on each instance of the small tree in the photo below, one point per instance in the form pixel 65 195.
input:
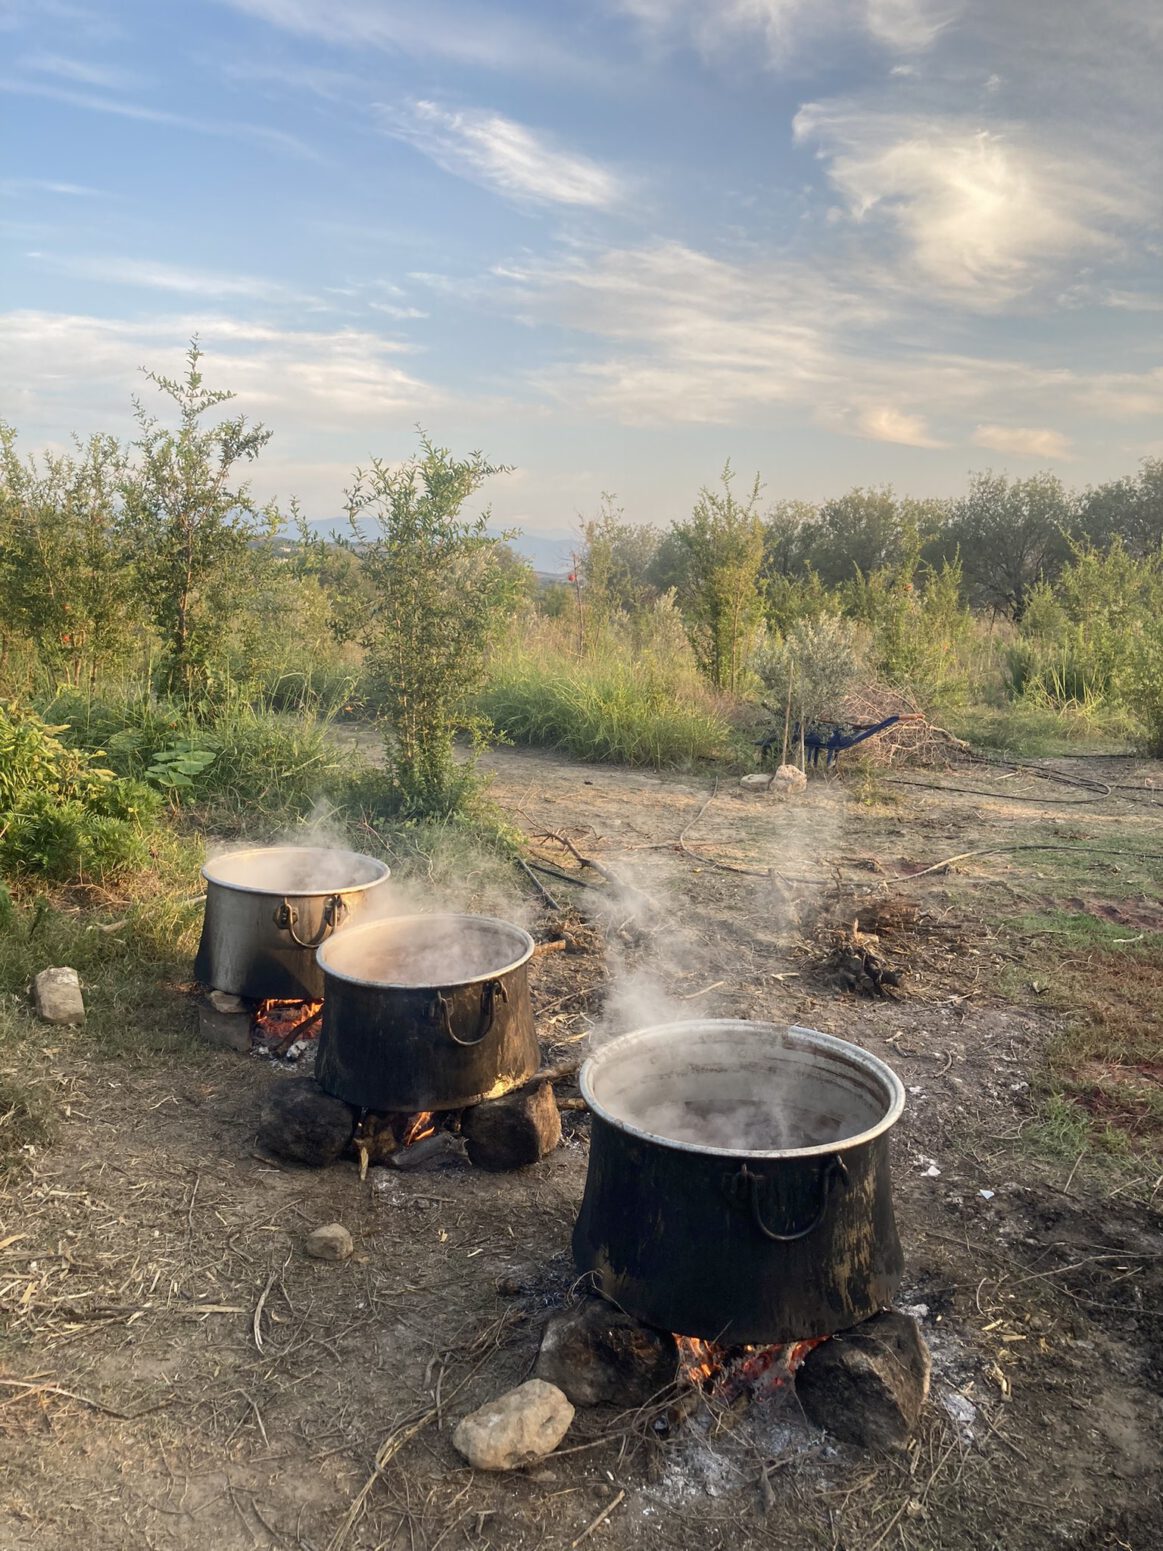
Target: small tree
pixel 66 580
pixel 721 545
pixel 191 526
pixel 439 589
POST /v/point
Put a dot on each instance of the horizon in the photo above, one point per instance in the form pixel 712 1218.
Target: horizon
pixel 840 242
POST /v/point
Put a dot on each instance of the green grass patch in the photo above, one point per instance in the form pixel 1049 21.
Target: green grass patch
pixel 1026 730
pixel 606 712
pixel 1105 1067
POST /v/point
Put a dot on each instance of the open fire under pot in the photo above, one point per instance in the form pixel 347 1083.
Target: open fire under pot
pixel 738 1199
pixel 268 910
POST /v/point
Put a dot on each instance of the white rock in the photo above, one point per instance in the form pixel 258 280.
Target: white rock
pixel 58 996
pixel 517 1428
pixel 791 778
pixel 331 1242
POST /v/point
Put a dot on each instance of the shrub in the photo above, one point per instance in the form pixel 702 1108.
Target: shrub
pixel 812 669
pixel 63 814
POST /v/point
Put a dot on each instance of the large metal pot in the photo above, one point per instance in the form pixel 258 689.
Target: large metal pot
pixel 426 1012
pixel 267 911
pixel 739 1186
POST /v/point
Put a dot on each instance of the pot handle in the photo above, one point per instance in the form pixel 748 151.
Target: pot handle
pixel 493 989
pixel 747 1185
pixel 286 916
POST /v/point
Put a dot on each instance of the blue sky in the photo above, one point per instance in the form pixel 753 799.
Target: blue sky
pixel 613 244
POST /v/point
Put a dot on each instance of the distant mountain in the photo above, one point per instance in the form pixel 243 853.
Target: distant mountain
pixel 549 554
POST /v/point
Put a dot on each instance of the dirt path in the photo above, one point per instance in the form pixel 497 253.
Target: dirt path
pixel 233 1393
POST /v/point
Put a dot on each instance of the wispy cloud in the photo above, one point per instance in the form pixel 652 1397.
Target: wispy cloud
pixel 786 28
pixel 273 139
pixel 667 335
pixel 1024 442
pixel 501 154
pixel 12 187
pixel 211 285
pixel 83 72
pixel 466 33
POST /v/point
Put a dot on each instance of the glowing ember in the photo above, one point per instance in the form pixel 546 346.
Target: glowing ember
pixel 728 1372
pixel 280 1023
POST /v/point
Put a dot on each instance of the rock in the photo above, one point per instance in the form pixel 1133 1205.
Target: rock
pixel 597 1355
pixel 331 1242
pixel 518 1428
pixel 226 1001
pixel 58 996
pixel 301 1122
pixel 514 1131
pixel 790 778
pixel 869 1385
pixel 229 1029
pixel 757 780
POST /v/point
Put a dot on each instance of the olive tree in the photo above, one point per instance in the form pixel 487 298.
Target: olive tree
pixel 720 552
pixel 438 590
pixel 67 582
pixel 192 526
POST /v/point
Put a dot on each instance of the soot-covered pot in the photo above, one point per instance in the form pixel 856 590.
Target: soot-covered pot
pixel 268 909
pixel 738 1187
pixel 426 1012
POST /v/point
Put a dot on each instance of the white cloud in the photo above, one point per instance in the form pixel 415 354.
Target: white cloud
pixel 318 390
pixel 883 423
pixel 983 215
pixel 503 155
pixel 1024 441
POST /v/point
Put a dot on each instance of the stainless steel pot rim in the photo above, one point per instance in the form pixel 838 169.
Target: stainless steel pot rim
pixel 382 873
pixel 805 1038
pixel 348 940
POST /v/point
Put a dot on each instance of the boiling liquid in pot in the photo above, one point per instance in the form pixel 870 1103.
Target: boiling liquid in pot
pixel 763 1123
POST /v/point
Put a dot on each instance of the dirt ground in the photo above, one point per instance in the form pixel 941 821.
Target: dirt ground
pixel 177 1373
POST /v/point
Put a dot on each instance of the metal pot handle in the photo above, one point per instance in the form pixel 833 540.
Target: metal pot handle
pixel 286 916
pixel 493 989
pixel 747 1185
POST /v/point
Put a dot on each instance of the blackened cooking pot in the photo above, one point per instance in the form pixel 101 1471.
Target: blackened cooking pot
pixel 426 1012
pixel 268 909
pixel 738 1186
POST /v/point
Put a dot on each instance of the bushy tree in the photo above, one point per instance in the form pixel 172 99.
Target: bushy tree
pixel 721 547
pixel 438 592
pixel 192 526
pixel 1129 509
pixel 1010 535
pixel 67 580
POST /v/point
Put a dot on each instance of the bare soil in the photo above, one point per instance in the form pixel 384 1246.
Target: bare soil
pixel 176 1372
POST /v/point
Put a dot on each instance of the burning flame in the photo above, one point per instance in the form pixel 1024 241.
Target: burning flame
pixel 730 1371
pixel 418 1128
